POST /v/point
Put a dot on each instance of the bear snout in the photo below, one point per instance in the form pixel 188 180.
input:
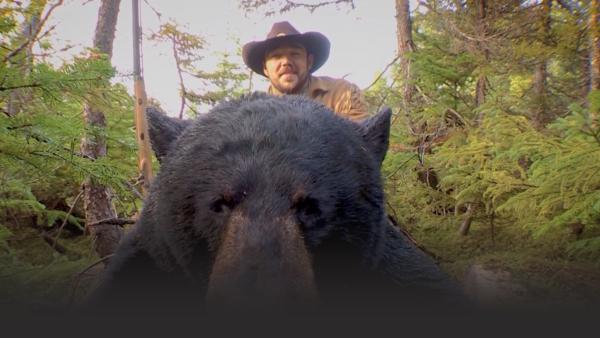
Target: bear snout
pixel 261 263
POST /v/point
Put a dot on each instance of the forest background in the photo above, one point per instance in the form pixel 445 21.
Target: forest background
pixel 492 168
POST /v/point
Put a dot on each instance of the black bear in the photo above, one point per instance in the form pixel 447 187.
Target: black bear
pixel 268 202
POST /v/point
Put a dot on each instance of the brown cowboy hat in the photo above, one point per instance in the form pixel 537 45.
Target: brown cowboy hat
pixel 315 43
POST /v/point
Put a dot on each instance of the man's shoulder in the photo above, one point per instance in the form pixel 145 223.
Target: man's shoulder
pixel 327 82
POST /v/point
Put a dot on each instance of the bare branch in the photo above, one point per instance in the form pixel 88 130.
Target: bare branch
pixel 382 72
pixel 112 221
pixel 156 12
pixel 34 37
pixel 288 5
pixel 77 278
pixel 67 217
pixel 55 245
pixel 312 7
pixel 134 190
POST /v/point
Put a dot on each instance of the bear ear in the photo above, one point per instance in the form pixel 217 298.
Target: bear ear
pixel 163 130
pixel 376 133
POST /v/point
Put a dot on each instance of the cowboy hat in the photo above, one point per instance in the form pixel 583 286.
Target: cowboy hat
pixel 315 43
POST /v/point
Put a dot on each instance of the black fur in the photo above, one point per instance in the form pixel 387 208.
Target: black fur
pixel 254 155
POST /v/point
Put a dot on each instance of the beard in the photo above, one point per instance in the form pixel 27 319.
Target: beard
pixel 290 83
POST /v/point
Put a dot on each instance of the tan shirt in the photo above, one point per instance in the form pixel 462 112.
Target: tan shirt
pixel 339 95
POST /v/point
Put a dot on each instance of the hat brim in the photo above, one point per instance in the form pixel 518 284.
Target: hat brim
pixel 315 43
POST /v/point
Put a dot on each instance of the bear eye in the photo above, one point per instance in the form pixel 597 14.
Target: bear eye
pixel 224 201
pixel 227 201
pixel 306 208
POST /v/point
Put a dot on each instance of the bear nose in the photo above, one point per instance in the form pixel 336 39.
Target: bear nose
pixel 260 264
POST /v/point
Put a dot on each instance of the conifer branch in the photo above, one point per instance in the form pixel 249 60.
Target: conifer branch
pixel 42 85
pixel 42 139
pixel 29 85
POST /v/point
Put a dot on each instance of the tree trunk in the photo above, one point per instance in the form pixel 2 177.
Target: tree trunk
pixel 19 96
pixel 481 90
pixel 481 86
pixel 466 223
pixel 586 71
pixel 595 50
pixel 541 114
pixel 106 26
pixel 405 45
pixel 97 198
pixel 539 92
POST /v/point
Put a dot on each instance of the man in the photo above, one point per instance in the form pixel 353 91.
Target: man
pixel 288 59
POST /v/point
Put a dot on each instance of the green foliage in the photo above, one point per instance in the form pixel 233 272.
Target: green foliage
pixel 42 167
pixel 536 188
pixel 9 16
pixel 225 82
pixel 39 149
pixel 594 104
pixel 588 248
pixel 17 197
pixel 565 187
pixel 480 165
pixel 186 47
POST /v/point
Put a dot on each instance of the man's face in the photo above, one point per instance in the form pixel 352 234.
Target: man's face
pixel 287 67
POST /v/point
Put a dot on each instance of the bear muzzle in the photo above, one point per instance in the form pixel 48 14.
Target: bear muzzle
pixel 261 263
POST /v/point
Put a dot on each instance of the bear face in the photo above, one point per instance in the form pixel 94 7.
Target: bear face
pixel 264 201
